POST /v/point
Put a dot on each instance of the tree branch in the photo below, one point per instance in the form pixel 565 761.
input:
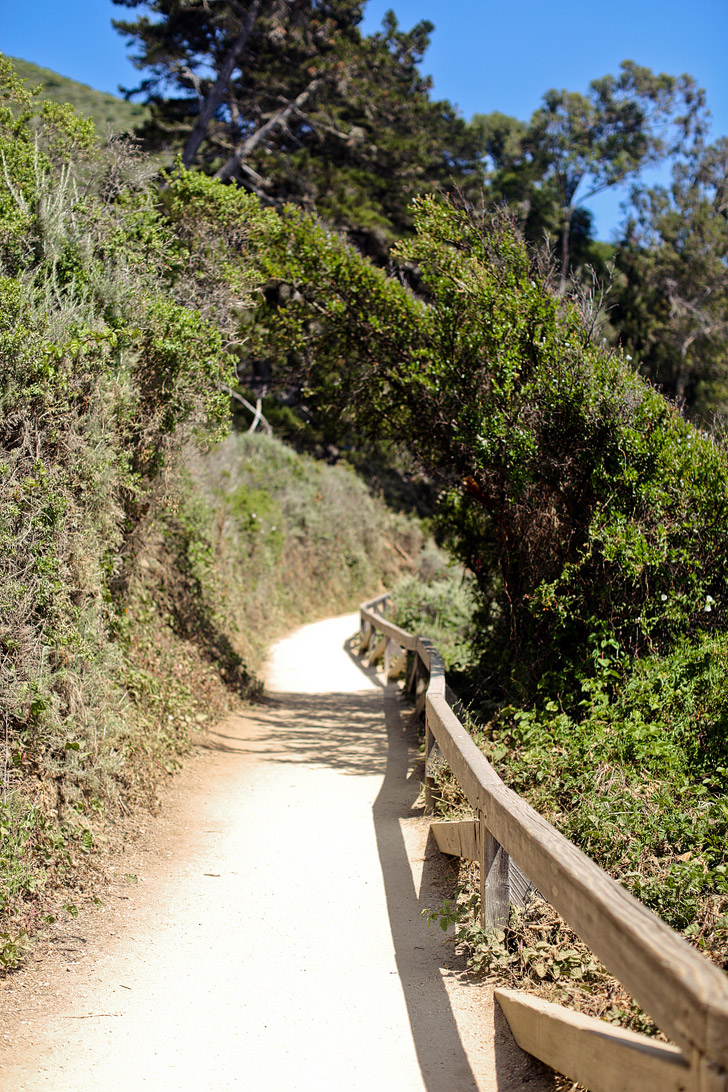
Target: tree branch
pixel 217 91
pixel 255 410
pixel 246 147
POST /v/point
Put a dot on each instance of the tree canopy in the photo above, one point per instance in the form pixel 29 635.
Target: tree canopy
pixel 575 146
pixel 672 304
pixel 292 101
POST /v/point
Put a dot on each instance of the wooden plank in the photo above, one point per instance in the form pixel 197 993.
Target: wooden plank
pixel 710 1078
pixel 458 837
pixel 387 656
pixel 366 636
pixel 377 601
pixel 377 652
pixel 394 656
pixel 425 648
pixel 401 636
pixel 523 891
pixel 397 665
pixel 420 701
pixel 465 759
pixel 596 1054
pixel 685 994
pixel 495 887
pixel 428 778
pixel 414 674
pixel 461 838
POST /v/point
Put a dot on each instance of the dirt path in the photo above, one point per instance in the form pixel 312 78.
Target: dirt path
pixel 274 939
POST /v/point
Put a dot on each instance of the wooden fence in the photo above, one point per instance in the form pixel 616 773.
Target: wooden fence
pixel 685 995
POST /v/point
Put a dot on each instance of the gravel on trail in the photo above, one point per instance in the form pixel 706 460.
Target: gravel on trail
pixel 265 932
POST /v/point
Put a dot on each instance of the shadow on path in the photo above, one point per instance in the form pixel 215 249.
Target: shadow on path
pixel 343 731
pixel 339 731
pixel 442 1058
pixel 443 1061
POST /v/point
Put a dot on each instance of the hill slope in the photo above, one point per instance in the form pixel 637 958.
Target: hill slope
pixel 107 111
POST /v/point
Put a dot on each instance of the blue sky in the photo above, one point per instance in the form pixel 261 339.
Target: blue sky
pixel 485 55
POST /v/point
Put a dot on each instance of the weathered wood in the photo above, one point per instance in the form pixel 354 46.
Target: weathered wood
pixel 389 629
pixel 495 887
pixel 421 687
pixel 397 664
pixel 366 636
pixel 424 649
pixel 393 659
pixel 379 601
pixel 523 892
pixel 387 656
pixel 709 1077
pixel 377 652
pixel 685 994
pixel 458 837
pixel 414 674
pixel 429 787
pixel 464 757
pixel 461 838
pixel 600 1056
pixel 429 781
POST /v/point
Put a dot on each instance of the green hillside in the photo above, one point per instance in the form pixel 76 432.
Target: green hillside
pixel 107 111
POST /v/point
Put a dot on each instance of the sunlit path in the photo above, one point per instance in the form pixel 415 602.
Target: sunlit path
pixel 279 944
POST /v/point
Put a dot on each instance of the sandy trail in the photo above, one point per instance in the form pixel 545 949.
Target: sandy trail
pixel 275 939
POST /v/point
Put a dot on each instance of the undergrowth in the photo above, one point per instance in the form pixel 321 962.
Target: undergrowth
pixel 536 950
pixel 143 570
pixel 638 783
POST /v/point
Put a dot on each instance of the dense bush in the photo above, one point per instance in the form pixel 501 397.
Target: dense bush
pixel 587 509
pixel 138 576
pixel 271 538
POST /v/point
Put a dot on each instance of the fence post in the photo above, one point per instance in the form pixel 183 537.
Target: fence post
pixel 413 673
pixel 709 1078
pixel 429 779
pixel 495 888
pixel 366 632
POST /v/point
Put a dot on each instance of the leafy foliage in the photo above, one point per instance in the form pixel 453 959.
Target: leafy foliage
pixel 135 589
pixel 591 515
pixel 107 375
pixel 575 146
pixel 295 104
pixel 671 306
pixel 570 489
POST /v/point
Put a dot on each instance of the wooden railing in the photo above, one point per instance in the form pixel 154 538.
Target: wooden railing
pixel 685 995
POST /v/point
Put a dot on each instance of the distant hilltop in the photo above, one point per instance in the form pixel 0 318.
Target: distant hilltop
pixel 109 112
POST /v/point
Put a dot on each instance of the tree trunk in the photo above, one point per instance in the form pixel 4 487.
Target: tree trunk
pixel 217 91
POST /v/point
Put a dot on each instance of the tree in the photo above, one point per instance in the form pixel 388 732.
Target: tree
pixel 290 100
pixel 576 146
pixel 586 507
pixel 672 306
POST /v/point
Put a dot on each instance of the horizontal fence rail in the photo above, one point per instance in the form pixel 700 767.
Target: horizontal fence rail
pixel 519 851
